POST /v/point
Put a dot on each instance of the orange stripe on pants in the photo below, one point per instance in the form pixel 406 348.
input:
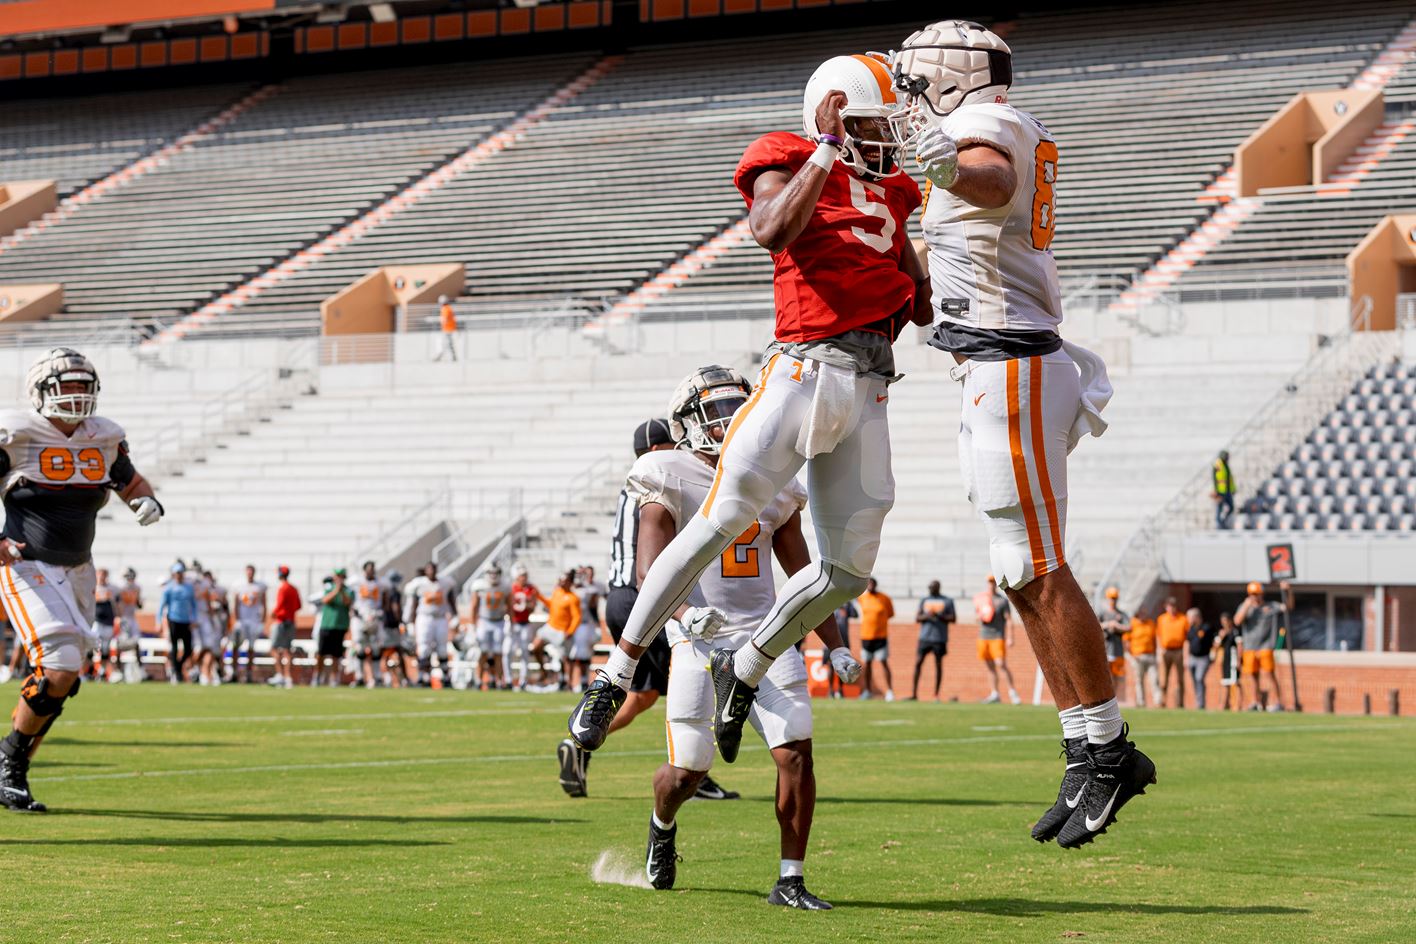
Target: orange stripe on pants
pixel 36 653
pixel 1020 469
pixel 1039 452
pixel 738 419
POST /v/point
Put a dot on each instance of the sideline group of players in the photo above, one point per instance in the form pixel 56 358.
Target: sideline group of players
pixel 832 207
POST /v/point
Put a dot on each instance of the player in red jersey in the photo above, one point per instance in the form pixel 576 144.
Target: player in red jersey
pixel 831 207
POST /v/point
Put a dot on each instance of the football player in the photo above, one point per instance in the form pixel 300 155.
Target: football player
pixel 105 598
pixel 737 591
pixel 831 206
pixel 59 462
pixel 1028 398
pixel 220 626
pixel 651 676
pixel 206 641
pixel 369 595
pixel 430 605
pixel 524 598
pixel 127 634
pixel 250 608
pixel 489 608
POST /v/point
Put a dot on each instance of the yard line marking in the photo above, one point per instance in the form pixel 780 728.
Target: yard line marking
pixel 364 716
pixel 541 758
pixel 321 732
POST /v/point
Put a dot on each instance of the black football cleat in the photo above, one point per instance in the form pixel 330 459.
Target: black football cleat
pixel 791 892
pixel 732 703
pixel 574 761
pixel 710 789
pixel 662 859
pixel 14 785
pixel 1069 795
pixel 590 721
pixel 1116 773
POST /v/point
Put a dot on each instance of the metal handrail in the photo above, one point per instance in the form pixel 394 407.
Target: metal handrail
pixel 1256 449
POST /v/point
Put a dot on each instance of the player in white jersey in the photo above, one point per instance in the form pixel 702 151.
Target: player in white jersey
pixel 430 602
pixel 105 597
pixel 1028 397
pixel 250 607
pixel 127 637
pixel 581 645
pixel 490 600
pixel 368 620
pixel 58 463
pixel 737 591
pixel 206 636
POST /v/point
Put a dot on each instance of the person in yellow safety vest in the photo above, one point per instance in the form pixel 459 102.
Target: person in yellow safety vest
pixel 1222 491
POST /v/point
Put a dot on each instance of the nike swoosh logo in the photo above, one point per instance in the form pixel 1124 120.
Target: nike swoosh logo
pixel 880 399
pixel 1072 803
pixel 980 397
pixel 727 717
pixel 1094 824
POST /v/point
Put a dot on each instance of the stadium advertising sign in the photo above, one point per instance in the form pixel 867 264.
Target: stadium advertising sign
pixel 38 16
pixel 1280 563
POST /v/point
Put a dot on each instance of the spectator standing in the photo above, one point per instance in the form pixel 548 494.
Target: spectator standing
pixel 175 613
pixel 995 630
pixel 1228 643
pixel 1142 645
pixel 447 321
pixel 1222 491
pixel 250 608
pixel 1200 643
pixel 1259 623
pixel 332 628
pixel 282 637
pixel 936 612
pixel 876 611
pixel 1171 629
pixel 844 614
pixel 1115 625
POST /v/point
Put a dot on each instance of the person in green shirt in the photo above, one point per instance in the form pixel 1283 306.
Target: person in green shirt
pixel 332 627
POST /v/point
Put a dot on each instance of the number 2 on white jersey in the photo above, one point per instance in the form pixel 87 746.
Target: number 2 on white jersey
pixel 860 199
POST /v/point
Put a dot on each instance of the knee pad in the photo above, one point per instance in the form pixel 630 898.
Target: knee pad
pixel 741 495
pixel 36 694
pixel 844 583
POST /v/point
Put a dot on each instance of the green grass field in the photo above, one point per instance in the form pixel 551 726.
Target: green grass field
pixel 405 816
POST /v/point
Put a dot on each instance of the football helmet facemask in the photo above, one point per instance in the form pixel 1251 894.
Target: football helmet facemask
pixel 870 96
pixel 62 365
pixel 949 64
pixel 703 401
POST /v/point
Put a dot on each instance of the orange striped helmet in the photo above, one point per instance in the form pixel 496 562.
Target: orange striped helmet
pixel 871 100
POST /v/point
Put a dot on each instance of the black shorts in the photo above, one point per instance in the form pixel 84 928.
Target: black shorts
pixel 874 645
pixel 652 675
pixel 939 649
pixel 331 643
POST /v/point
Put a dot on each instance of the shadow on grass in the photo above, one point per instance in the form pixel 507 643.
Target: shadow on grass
pixel 181 816
pixel 1027 908
pixel 235 842
pixel 912 801
pixel 62 741
pixel 1395 815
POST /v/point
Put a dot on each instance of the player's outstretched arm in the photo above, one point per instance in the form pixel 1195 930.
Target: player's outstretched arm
pixel 139 496
pixel 986 177
pixel 782 203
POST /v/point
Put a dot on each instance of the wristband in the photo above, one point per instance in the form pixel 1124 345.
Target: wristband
pixel 829 139
pixel 823 157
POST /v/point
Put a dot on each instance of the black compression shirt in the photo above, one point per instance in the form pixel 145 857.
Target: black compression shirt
pixel 56 523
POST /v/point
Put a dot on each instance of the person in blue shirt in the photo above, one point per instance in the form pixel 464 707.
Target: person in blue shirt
pixel 175 614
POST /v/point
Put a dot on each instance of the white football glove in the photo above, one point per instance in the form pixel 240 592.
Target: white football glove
pixel 938 156
pixel 703 622
pixel 845 665
pixel 147 509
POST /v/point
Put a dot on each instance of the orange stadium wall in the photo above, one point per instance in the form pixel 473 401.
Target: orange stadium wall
pixel 24 201
pixel 1384 265
pixel 1307 139
pixel 30 302
pixel 1352 675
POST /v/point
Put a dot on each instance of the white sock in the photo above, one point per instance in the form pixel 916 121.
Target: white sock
pixel 620 668
pixel 1103 722
pixel 1074 722
pixel 793 867
pixel 750 666
pixel 660 823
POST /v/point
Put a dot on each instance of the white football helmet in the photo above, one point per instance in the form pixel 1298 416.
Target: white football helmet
pixel 870 94
pixel 518 569
pixel 59 366
pixel 704 400
pixel 949 64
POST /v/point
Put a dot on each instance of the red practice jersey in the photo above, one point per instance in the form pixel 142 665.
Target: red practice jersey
pixel 843 271
pixel 523 602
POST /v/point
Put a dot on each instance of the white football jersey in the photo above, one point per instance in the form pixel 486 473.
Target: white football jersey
pixel 250 601
pixel 740 583
pixel 130 595
pixel 492 602
pixel 993 269
pixel 201 587
pixel 432 597
pixel 368 598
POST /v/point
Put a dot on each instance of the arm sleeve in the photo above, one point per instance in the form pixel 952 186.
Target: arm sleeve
pixel 122 473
